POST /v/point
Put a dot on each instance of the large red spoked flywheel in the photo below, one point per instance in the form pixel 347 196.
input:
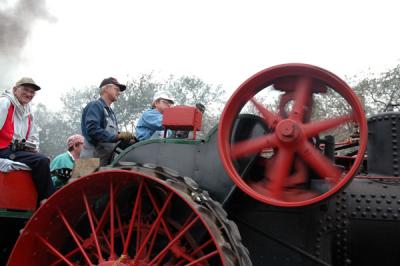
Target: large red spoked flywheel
pixel 125 217
pixel 300 104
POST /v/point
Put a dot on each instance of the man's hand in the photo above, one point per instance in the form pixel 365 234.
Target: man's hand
pixel 125 136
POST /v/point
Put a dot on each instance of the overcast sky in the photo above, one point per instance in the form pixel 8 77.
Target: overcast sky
pixel 76 43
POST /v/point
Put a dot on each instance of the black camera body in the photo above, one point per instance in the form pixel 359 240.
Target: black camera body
pixel 23 145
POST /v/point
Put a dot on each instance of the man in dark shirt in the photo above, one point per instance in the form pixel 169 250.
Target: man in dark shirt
pixel 99 123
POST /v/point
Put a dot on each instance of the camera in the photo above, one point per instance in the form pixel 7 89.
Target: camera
pixel 23 145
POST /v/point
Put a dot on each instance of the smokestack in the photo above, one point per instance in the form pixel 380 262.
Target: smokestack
pixel 15 26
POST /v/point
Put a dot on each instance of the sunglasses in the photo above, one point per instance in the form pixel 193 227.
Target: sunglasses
pixel 166 102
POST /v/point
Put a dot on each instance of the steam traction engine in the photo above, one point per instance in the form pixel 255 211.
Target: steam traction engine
pixel 280 182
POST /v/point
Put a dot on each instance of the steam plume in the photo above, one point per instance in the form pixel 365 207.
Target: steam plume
pixel 15 26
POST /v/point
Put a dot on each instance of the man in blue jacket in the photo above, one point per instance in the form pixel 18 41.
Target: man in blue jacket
pixel 150 123
pixel 99 123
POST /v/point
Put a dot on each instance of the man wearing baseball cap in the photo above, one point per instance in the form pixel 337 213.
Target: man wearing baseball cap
pixel 61 166
pixel 150 122
pixel 18 126
pixel 99 123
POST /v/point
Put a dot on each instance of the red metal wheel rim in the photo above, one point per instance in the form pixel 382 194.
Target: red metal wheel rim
pixel 258 82
pixel 108 235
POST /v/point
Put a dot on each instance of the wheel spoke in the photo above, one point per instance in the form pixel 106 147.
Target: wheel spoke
pixel 185 256
pixel 252 146
pixel 270 118
pixel 153 227
pixel 121 232
pixel 54 250
pixel 313 129
pixel 139 225
pixel 89 214
pixel 279 172
pixel 197 250
pixel 205 257
pixel 132 220
pixel 153 202
pixel 299 176
pixel 99 225
pixel 164 225
pixel 152 243
pixel 112 235
pixel 69 254
pixel 322 165
pixel 163 252
pixel 201 247
pixel 102 222
pixel 191 216
pixel 303 96
pixel 74 236
pixel 182 260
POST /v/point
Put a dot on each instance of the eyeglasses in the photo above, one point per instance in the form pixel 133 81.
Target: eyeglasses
pixel 28 89
pixel 114 87
pixel 166 102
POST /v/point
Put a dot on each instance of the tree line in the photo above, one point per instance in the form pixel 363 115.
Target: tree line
pixel 55 126
pixel 378 93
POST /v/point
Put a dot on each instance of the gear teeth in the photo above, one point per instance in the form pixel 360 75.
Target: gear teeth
pixel 224 230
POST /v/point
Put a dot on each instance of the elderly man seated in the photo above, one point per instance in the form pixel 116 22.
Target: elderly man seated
pixel 18 136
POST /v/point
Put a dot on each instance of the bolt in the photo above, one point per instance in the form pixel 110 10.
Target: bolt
pixel 287 131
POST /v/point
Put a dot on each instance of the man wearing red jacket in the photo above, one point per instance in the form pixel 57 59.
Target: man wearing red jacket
pixel 19 140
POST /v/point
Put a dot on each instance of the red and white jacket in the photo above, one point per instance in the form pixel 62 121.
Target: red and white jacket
pixel 16 121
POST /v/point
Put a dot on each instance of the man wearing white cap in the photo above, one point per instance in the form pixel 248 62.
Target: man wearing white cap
pixel 61 166
pixel 150 123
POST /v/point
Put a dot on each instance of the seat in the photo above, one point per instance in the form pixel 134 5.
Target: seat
pixel 17 191
pixel 181 117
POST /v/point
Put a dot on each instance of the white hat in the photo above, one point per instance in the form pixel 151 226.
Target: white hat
pixel 163 95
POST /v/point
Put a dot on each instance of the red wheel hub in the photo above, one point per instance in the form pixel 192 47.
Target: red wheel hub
pixel 286 179
pixel 287 131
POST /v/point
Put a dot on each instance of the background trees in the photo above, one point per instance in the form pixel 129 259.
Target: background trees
pixel 55 127
pixel 378 93
pixel 190 90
